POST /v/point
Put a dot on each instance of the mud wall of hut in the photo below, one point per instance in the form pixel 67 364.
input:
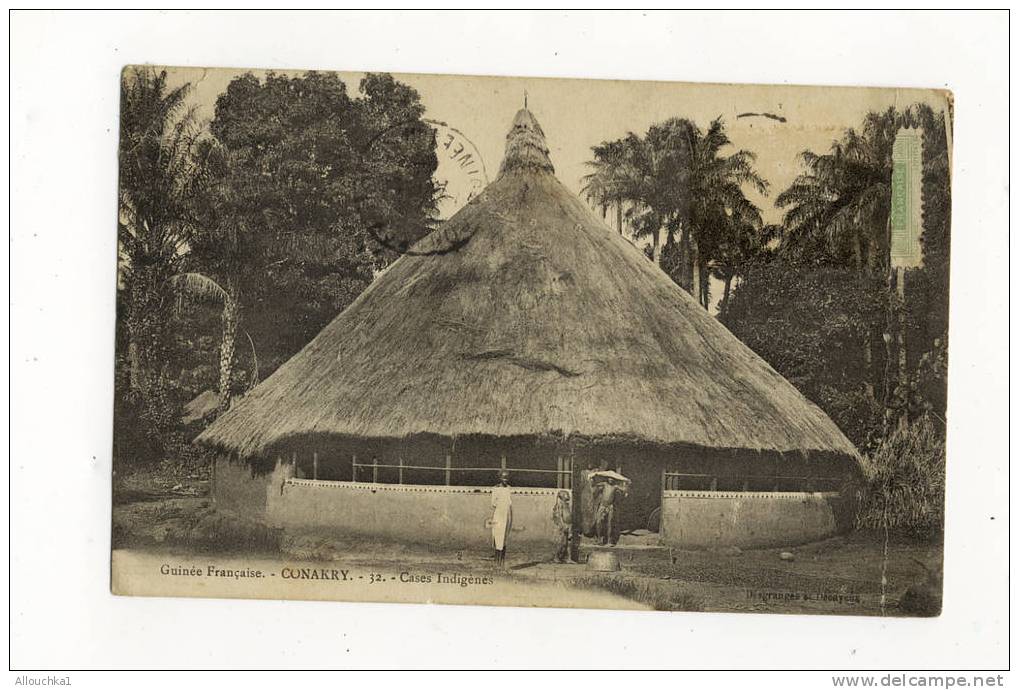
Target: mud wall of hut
pixel 240 488
pixel 720 498
pixel 451 516
pixel 702 519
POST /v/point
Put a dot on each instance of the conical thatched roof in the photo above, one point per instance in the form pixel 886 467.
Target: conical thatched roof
pixel 525 315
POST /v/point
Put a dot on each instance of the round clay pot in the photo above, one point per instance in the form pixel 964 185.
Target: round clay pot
pixel 603 561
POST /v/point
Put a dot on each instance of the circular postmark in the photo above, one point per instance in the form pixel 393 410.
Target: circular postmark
pixel 459 176
pixel 461 172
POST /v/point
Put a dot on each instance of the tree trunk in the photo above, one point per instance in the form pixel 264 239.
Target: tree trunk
pixel 725 293
pixel 868 364
pixel 135 366
pixel 864 260
pixel 148 345
pixel 228 348
pixel 254 363
pixel 146 323
pixel 896 396
pixel 619 215
pixel 135 325
pixel 685 271
pixel 890 359
pixel 896 376
pixel 705 286
pixel 656 252
pixel 695 267
pixel 904 386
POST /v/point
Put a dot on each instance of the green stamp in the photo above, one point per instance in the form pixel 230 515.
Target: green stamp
pixel 907 201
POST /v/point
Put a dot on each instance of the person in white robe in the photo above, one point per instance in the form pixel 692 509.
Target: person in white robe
pixel 502 515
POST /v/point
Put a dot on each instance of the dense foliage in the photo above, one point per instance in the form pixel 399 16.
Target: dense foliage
pixel 161 168
pixel 239 241
pixel 819 305
pixel 806 322
pixel 322 190
pixel 906 489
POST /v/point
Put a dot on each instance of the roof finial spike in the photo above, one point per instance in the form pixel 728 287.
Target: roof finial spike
pixel 525 99
pixel 525 144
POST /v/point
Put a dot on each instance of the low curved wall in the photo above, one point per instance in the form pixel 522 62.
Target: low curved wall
pixel 747 519
pixel 235 487
pixel 453 516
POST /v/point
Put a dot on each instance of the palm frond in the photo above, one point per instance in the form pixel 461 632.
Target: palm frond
pixel 196 287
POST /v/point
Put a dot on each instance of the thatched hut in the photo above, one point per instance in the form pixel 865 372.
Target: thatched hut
pixel 524 333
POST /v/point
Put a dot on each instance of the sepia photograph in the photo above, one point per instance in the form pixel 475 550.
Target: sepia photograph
pixel 531 342
pixel 486 341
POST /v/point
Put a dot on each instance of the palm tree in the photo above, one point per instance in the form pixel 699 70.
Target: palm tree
pixel 654 178
pixel 676 179
pixel 597 186
pixel 607 186
pixel 638 174
pixel 224 254
pixel 160 167
pixel 746 242
pixel 839 208
pixel 711 209
pixel 193 286
pixel 167 171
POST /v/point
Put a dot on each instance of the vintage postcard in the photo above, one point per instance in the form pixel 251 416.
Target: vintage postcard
pixel 531 342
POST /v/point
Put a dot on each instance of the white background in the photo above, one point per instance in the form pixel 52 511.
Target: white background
pixel 64 91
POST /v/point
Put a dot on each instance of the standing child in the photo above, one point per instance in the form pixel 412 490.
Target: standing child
pixel 562 520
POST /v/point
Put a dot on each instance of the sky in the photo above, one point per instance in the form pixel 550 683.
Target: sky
pixel 577 114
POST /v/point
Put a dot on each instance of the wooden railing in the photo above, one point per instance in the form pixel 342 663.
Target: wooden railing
pixel 673 481
pixel 369 471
